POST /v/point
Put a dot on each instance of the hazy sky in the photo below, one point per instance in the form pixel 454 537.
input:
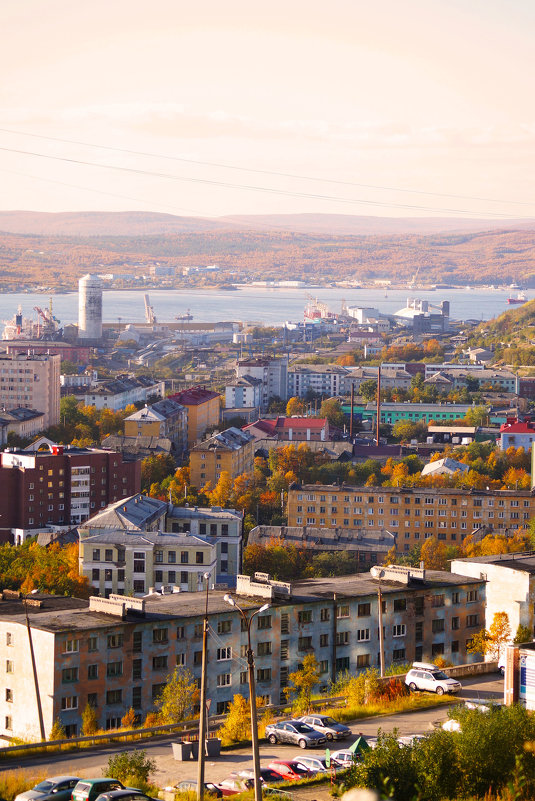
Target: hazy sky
pixel 425 95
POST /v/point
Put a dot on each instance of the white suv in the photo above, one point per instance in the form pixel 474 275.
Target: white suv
pixel 423 676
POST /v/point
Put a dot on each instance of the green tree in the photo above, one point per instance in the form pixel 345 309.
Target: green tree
pixel 304 680
pixel 332 410
pixel 368 390
pixel 178 697
pixel 57 732
pixel 523 634
pixel 89 720
pixel 130 767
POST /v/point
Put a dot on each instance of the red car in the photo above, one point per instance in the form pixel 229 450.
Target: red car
pixel 290 769
pixel 235 784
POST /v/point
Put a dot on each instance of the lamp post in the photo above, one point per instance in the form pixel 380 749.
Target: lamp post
pixel 34 669
pixel 252 693
pixel 202 716
pixel 378 574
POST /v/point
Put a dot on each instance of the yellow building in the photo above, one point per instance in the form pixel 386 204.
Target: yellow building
pixel 165 418
pixel 204 408
pixel 231 451
pixel 412 514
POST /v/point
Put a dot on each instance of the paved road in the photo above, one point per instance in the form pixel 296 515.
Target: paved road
pixel 169 772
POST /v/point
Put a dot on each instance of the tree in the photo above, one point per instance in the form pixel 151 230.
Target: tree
pixel 89 720
pixel 128 720
pixel 295 406
pixel 332 410
pixel 434 554
pixel 304 681
pixel 221 493
pixel 491 642
pixel 368 390
pixel 237 725
pixel 178 697
pixel 130 767
pixel 523 634
pixel 57 732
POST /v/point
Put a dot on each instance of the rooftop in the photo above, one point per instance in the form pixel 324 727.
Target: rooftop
pixel 232 439
pixel 194 396
pixel 130 514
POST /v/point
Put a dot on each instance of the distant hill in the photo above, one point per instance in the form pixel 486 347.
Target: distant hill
pixel 144 223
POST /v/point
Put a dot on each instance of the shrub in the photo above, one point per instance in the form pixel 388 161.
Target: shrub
pixel 128 721
pixel 237 726
pixel 152 719
pixel 391 690
pixel 130 767
pixel 57 732
pixel 14 782
pixel 89 720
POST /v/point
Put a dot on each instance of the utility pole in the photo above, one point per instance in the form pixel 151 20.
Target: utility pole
pixel 202 716
pixel 252 693
pixel 351 412
pixel 378 403
pixel 378 573
pixel 34 670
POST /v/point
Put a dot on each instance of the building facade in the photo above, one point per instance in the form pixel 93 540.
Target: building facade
pixel 517 434
pixel 31 382
pixel 231 451
pixel 117 653
pixel 244 393
pixel 124 391
pixel 272 372
pixel 321 379
pixel 163 419
pixel 204 408
pixel 412 514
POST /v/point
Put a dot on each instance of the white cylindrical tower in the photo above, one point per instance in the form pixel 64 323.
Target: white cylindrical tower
pixel 90 307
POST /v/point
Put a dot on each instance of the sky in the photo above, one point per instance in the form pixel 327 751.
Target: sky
pixel 414 108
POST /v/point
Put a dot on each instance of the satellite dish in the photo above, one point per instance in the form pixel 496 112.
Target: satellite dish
pixel 377 572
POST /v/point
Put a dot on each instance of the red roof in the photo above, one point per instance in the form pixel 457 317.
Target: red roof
pixel 514 426
pixel 194 396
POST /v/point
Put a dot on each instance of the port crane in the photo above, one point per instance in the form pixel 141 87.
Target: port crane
pixel 150 317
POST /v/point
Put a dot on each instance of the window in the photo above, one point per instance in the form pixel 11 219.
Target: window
pixel 137 641
pixel 115 640
pixel 455 597
pixel 342 611
pixel 224 626
pixel 243 677
pixel 223 654
pixel 181 660
pixel 224 679
pixel 158 556
pixel 264 622
pixel 455 646
pixel 285 623
pixel 199 557
pixel 69 675
pixel 136 668
pixel 472 621
pixel 363 635
pixel 114 669
pixel 455 623
pixel 184 557
pixel 398 654
pixel 342 638
pixel 8 723
pixel 136 697
pixel 264 648
pixel 95 574
pixel 263 674
pixel 400 604
pixel 419 605
pixel 304 616
pixel 159 662
pixel 198 630
pixel 471 596
pixel 69 702
pixel 325 614
pixel 9 695
pixel 363 610
pixel 108 555
pixel 342 664
pixel 180 632
pixel 171 557
pixel 438 600
pixel 159 636
pixel 284 649
pixel 114 696
pixel 304 644
pixel 437 626
pixel 96 555
pixel 437 649
pixel 324 666
pixel 70 647
pixel 399 630
pixel 324 640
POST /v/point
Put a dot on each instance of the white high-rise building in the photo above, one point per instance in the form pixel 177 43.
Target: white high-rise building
pixel 90 307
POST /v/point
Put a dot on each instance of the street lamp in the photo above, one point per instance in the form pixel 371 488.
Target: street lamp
pixel 252 693
pixel 202 716
pixel 378 574
pixel 34 669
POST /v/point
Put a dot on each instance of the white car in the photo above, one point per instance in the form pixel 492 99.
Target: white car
pixel 314 764
pixel 423 676
pixel 344 759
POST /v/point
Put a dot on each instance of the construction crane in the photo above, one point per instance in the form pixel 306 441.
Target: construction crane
pixel 150 317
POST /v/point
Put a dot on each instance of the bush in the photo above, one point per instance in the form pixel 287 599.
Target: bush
pixel 89 720
pixel 237 726
pixel 14 782
pixel 130 767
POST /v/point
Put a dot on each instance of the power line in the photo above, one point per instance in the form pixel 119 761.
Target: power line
pixel 254 188
pixel 276 173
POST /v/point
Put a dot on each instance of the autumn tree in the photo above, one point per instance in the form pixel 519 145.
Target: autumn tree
pixel 295 406
pixel 434 554
pixel 89 720
pixel 492 641
pixel 304 680
pixel 221 493
pixel 178 697
pixel 237 725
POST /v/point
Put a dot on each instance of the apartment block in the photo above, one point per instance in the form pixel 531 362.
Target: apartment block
pixel 231 451
pixel 244 393
pixel 123 391
pixel 204 407
pixel 22 422
pixel 323 379
pixel 31 381
pixel 138 513
pixel 165 418
pixel 63 485
pixel 412 514
pixel 272 372
pixel 116 653
pixel 132 564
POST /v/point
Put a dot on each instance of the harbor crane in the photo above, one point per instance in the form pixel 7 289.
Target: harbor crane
pixel 150 317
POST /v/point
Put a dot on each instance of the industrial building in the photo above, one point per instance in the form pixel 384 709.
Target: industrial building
pixel 90 308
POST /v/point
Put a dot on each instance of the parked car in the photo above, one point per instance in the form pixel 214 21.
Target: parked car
pixel 57 788
pixel 344 759
pixel 90 789
pixel 128 794
pixel 290 769
pixel 267 776
pixel 410 739
pixel 327 726
pixel 315 764
pixel 234 785
pixel 423 676
pixel 294 732
pixel 191 786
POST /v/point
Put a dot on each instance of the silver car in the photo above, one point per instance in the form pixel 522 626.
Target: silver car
pixel 315 764
pixel 327 726
pixel 57 788
pixel 294 732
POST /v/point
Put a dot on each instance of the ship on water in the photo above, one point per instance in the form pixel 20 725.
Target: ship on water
pixel 520 298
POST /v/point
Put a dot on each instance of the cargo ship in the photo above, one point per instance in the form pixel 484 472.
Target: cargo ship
pixel 520 298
